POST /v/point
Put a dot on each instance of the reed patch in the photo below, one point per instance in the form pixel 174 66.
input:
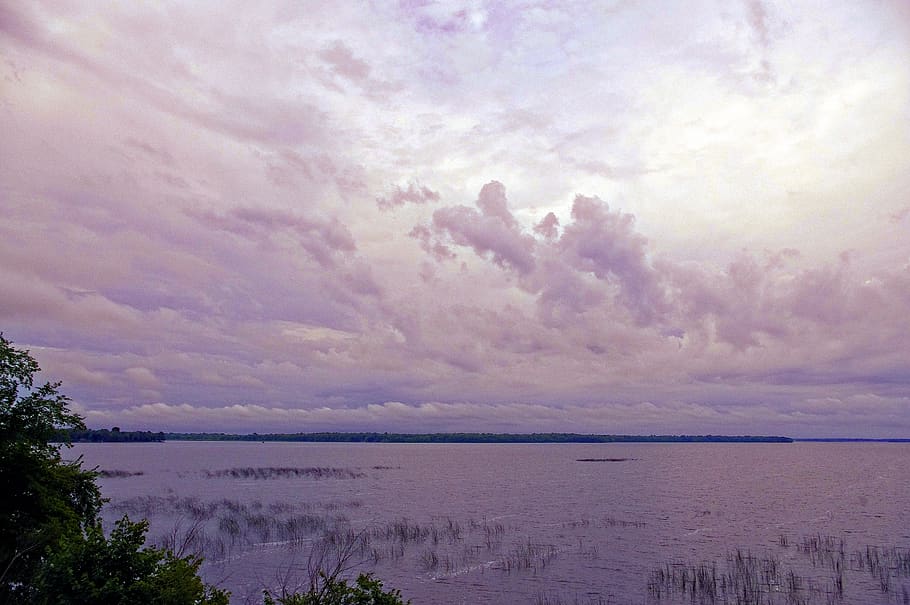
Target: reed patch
pixel 285 472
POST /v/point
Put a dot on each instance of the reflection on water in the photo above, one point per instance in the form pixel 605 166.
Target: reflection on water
pixel 541 523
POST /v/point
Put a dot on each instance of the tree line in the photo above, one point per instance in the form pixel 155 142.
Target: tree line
pixel 116 435
pixel 474 438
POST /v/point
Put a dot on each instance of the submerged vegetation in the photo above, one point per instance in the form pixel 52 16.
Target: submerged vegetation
pixel 743 578
pixel 273 472
pixel 803 570
pixel 220 530
pixel 118 473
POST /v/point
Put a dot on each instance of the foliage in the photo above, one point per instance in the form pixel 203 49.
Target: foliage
pixel 45 498
pixel 52 547
pixel 91 569
pixel 333 591
pixel 114 435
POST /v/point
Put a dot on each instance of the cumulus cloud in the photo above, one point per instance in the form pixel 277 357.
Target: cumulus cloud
pixel 548 226
pixel 601 265
pixel 607 245
pixel 492 231
pixel 597 242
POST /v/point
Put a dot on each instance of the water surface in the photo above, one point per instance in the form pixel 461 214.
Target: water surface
pixel 515 523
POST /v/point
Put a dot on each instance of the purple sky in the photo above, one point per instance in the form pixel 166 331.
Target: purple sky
pixel 627 217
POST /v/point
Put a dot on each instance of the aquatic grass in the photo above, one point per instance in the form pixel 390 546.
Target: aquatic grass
pixel 186 537
pixel 744 579
pixel 229 526
pixel 885 564
pixel 445 546
pixel 216 528
pixel 747 579
pixel 405 531
pixel 557 599
pixel 823 551
pixel 428 560
pixel 223 526
pixel 614 522
pixel 118 474
pixel 281 472
pixel 299 527
pixel 156 505
pixel 527 556
pixel 493 535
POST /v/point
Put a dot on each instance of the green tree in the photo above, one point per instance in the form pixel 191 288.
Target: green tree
pixel 93 570
pixel 46 499
pixel 334 591
pixel 52 547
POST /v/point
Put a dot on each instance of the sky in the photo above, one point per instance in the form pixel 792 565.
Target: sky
pixel 600 217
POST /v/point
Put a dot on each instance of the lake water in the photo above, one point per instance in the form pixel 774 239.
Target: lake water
pixel 517 523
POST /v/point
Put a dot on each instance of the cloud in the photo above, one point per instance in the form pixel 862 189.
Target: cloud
pixel 344 63
pixel 492 231
pixel 321 238
pixel 492 203
pixel 414 194
pixel 630 418
pixel 548 226
pixel 606 244
pixel 598 242
pixel 600 267
pixel 142 377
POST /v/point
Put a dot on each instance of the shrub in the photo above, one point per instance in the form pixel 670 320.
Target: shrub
pixel 333 591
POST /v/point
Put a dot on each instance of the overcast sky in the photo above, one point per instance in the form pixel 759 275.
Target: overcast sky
pixel 626 217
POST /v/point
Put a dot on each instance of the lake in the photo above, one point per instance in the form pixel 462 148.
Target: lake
pixel 531 523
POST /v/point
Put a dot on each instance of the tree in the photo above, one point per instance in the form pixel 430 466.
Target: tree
pixel 93 570
pixel 45 498
pixel 52 547
pixel 334 591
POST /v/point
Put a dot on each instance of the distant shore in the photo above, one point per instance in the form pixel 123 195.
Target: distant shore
pixel 106 435
pixel 850 440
